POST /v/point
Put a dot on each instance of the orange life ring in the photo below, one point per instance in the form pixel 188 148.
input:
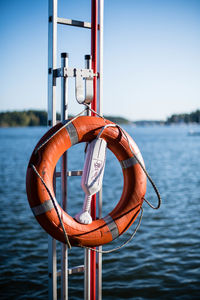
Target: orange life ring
pixel 100 231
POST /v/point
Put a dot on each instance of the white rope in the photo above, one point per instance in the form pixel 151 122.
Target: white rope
pixel 140 163
pixel 122 245
pixel 54 204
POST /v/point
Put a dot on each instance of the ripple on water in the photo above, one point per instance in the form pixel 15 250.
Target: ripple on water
pixel 162 261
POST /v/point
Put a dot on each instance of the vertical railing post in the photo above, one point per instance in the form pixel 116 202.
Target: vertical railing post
pixel 64 116
pixel 94 35
pixel 100 111
pixel 87 278
pixel 101 26
pixel 87 275
pixel 52 61
pixel 52 47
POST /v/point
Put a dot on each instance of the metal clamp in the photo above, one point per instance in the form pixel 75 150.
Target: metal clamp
pixel 89 81
pixel 84 94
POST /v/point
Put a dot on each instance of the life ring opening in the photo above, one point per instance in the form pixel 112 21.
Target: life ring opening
pixel 112 194
pixel 101 231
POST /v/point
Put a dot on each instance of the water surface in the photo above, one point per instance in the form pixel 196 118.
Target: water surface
pixel 163 260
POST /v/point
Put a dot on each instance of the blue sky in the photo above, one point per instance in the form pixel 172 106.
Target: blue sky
pixel 151 55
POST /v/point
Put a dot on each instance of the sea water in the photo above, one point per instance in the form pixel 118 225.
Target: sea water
pixel 161 262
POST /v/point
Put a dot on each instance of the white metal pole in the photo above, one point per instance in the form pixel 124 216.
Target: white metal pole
pixel 52 46
pixel 52 269
pixel 88 65
pixel 87 275
pixel 99 255
pixel 100 111
pixel 101 20
pixel 52 61
pixel 64 116
pixel 64 88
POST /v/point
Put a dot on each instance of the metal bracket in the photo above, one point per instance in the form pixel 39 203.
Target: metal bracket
pixel 73 270
pixel 71 173
pixel 83 94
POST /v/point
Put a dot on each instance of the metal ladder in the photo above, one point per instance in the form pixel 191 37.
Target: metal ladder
pixel 92 274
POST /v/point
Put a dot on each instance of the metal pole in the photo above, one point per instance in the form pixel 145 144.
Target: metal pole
pixel 94 31
pixel 87 278
pixel 100 111
pixel 87 275
pixel 64 88
pixel 101 20
pixel 52 45
pixel 99 255
pixel 52 61
pixel 64 116
pixel 52 269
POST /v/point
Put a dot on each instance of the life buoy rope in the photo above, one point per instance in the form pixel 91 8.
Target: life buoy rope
pixel 54 205
pixel 44 158
pixel 92 249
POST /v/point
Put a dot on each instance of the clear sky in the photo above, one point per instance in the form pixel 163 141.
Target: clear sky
pixel 151 55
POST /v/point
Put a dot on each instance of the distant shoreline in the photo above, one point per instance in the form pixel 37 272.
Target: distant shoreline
pixel 30 118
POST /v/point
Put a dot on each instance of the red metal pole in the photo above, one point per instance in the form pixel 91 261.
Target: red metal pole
pixel 94 35
pixel 94 38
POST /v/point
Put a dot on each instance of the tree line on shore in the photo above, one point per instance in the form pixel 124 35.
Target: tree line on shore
pixel 193 117
pixel 39 118
pixel 36 118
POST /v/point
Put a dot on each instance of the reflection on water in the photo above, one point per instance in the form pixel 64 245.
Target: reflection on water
pixel 163 260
